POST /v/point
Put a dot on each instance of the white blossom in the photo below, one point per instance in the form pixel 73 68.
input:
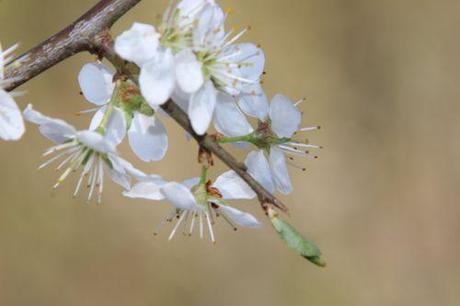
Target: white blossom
pixel 217 69
pixel 88 151
pixel 139 44
pixel 11 122
pixel 178 22
pixel 154 52
pixel 198 203
pixel 146 134
pixel 275 137
pixel 196 63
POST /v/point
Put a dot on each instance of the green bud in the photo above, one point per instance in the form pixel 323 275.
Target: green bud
pixel 294 240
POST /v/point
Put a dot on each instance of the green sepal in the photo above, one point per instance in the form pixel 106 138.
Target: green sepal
pixel 294 240
pixel 130 100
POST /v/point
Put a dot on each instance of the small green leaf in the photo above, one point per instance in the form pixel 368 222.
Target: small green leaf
pixel 296 241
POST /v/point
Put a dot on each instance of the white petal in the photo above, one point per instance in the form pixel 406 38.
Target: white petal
pixel 240 218
pixel 139 44
pixel 181 98
pixel 116 127
pixel 228 119
pixel 138 174
pixel 254 102
pixel 95 141
pixel 259 169
pixel 97 118
pixel 232 186
pixel 55 130
pixel 251 59
pixel 11 122
pixel 284 115
pixel 117 172
pixel 36 117
pixel 145 190
pixel 190 183
pixel 189 73
pixel 280 171
pixel 210 29
pixel 147 137
pixel 179 195
pixel 96 83
pixel 189 9
pixel 201 107
pixel 157 78
pixel 58 131
pixel 120 178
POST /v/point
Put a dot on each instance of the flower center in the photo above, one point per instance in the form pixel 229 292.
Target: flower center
pixel 264 137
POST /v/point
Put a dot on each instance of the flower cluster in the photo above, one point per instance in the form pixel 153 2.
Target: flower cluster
pixel 191 59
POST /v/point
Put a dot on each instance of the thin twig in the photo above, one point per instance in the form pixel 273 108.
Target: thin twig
pixel 90 33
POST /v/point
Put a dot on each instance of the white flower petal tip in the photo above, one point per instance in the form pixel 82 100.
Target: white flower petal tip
pixel 284 115
pixel 280 171
pixel 95 141
pixel 157 78
pixel 201 107
pixel 11 122
pixel 190 183
pixel 210 29
pixel 232 67
pixel 96 83
pixel 240 218
pixel 145 190
pixel 232 187
pixel 259 169
pixel 115 130
pixel 254 102
pixel 148 138
pixel 139 44
pixel 253 61
pixel 34 116
pixel 228 119
pixel 179 195
pixel 189 72
pixel 55 130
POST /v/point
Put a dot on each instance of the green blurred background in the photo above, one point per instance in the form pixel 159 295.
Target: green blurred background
pixel 381 77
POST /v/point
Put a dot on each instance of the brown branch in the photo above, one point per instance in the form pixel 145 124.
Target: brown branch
pixel 90 33
pixel 73 39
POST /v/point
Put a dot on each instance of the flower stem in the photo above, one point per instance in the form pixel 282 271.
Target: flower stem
pixel 246 138
pixel 105 120
pixel 108 112
pixel 204 172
